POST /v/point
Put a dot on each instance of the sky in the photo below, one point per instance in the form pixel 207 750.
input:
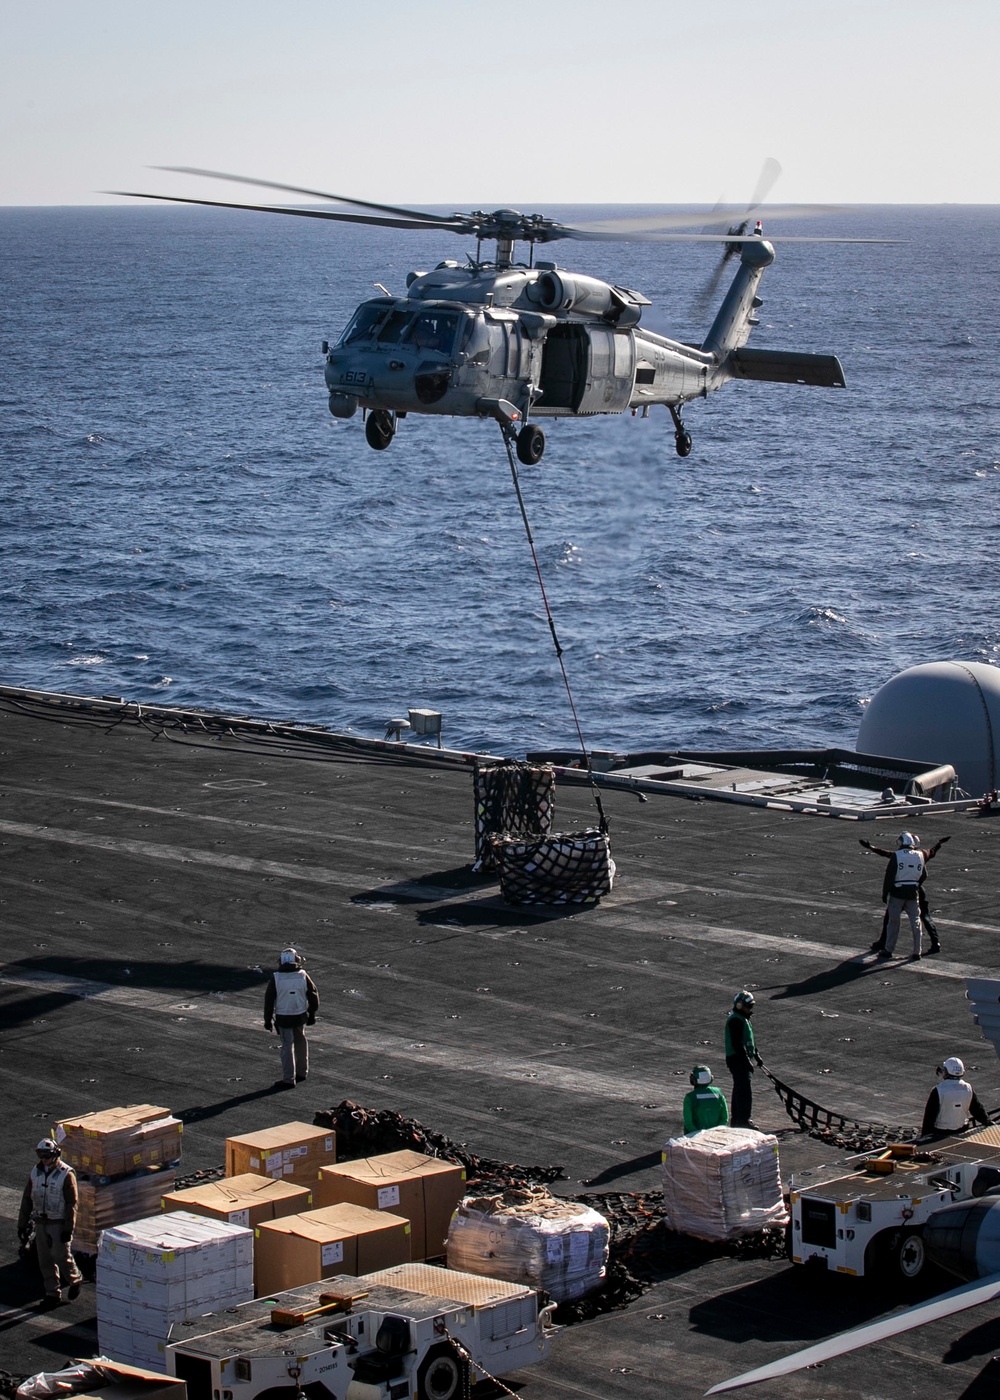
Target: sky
pixel 527 102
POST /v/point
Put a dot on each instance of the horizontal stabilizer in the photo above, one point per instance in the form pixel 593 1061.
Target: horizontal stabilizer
pixel 970 1295
pixel 786 367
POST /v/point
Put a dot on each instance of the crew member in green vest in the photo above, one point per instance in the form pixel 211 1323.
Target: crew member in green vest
pixel 741 1056
pixel 705 1106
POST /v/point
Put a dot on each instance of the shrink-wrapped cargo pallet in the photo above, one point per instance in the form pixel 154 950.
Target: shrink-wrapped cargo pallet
pixel 722 1183
pixel 154 1272
pixel 530 1236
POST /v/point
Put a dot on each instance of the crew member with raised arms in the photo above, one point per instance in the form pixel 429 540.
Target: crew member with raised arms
pixel 907 847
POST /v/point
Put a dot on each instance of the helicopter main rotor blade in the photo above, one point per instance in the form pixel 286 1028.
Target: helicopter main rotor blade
pixel 721 215
pixel 582 235
pixel 417 214
pixel 769 173
pixel 970 1295
pixel 448 225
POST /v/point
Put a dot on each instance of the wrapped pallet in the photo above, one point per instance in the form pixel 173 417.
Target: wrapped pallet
pixel 154 1272
pixel 530 1236
pixel 722 1183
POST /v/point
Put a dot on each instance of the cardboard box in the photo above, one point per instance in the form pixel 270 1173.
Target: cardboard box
pixel 423 1189
pixel 290 1152
pixel 342 1239
pixel 137 1383
pixel 120 1140
pixel 242 1200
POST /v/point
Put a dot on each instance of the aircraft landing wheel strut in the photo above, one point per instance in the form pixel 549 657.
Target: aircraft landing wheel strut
pixel 682 438
pixel 379 429
pixel 530 444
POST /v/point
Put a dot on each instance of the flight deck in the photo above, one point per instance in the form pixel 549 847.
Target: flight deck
pixel 151 872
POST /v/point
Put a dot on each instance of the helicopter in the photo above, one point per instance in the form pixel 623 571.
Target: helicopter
pixel 520 342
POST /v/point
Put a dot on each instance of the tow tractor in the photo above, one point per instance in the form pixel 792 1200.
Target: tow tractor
pixel 412 1332
pixel 870 1219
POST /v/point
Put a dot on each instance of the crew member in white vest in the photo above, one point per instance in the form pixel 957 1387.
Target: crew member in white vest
pixel 906 868
pixel 49 1204
pixel 888 880
pixel 951 1102
pixel 290 1004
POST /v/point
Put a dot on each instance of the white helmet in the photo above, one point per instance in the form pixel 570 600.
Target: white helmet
pixel 288 957
pixel 953 1067
pixel 907 841
pixel 48 1147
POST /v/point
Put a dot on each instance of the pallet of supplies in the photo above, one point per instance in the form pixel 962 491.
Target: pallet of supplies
pixel 242 1200
pixel 154 1272
pixel 104 1203
pixel 117 1141
pixel 344 1239
pixel 289 1152
pixel 530 1236
pixel 424 1190
pixel 722 1183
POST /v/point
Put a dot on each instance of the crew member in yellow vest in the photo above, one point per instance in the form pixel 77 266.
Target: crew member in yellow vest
pixel 49 1203
pixel 290 1004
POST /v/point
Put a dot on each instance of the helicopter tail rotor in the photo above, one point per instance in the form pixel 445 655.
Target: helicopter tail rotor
pixel 704 299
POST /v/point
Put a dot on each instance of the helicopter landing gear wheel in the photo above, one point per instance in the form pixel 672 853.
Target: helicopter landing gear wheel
pixel 682 438
pixel 530 444
pixel 380 429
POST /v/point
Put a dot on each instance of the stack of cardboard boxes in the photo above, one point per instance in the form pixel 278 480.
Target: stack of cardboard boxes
pixel 124 1159
pixel 424 1190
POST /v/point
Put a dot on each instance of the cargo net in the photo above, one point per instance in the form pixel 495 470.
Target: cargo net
pixel 834 1128
pixel 559 869
pixel 512 799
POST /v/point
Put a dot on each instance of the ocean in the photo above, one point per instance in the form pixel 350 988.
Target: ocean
pixel 183 523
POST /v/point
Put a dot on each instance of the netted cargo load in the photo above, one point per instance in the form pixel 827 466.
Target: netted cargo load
pixel 512 799
pixel 558 869
pixel 530 1237
pixel 722 1183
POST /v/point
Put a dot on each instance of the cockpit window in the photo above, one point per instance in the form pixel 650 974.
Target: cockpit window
pixel 434 330
pixel 391 333
pixel 364 320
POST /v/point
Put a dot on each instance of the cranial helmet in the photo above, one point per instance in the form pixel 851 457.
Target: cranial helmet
pixel 953 1067
pixel 288 957
pixel 744 1001
pixel 701 1076
pixel 48 1147
pixel 907 841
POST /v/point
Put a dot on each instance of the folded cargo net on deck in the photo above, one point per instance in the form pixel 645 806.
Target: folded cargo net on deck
pixel 512 799
pixel 557 869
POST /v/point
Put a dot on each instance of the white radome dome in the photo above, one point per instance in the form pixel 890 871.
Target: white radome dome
pixel 942 712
